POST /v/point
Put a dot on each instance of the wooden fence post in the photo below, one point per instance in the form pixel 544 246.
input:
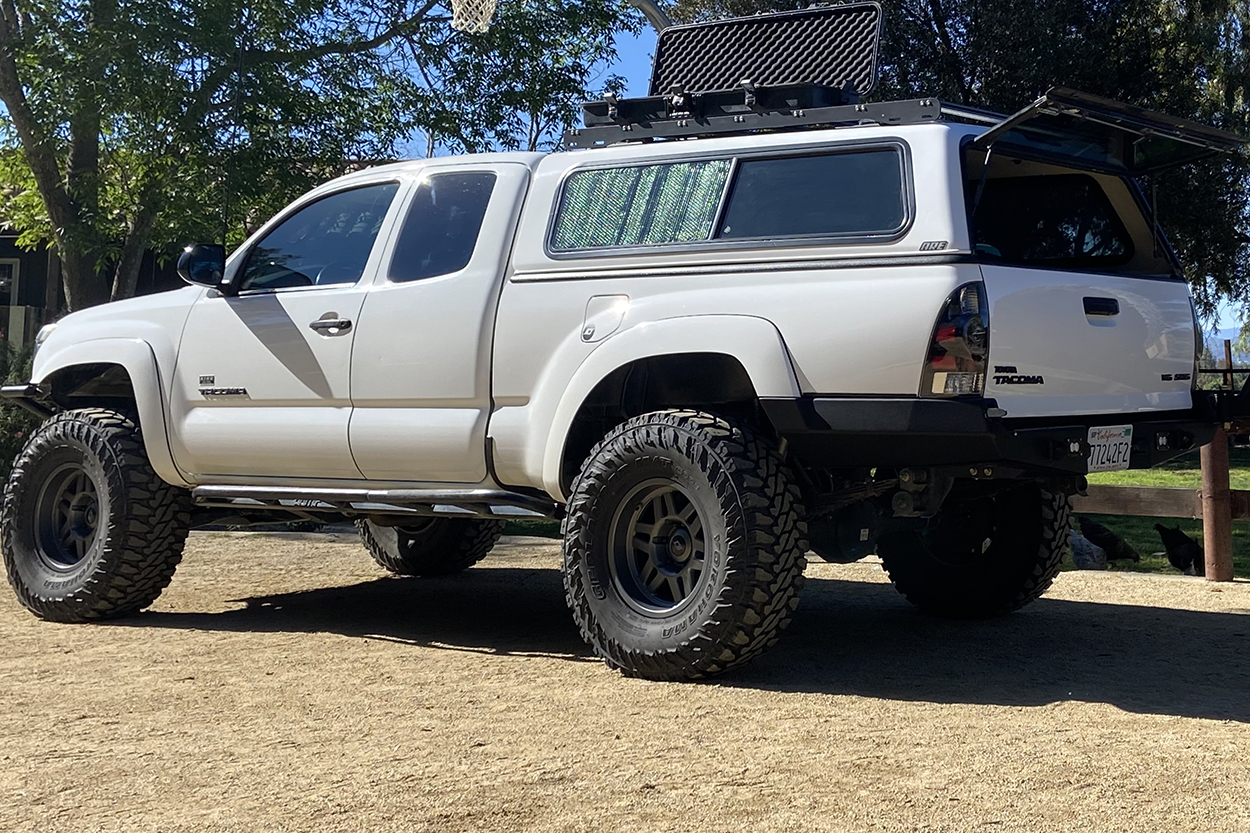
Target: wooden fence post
pixel 1217 512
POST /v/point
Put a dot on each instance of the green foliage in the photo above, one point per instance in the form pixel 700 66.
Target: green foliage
pixel 520 85
pixel 15 423
pixel 138 124
pixel 1190 59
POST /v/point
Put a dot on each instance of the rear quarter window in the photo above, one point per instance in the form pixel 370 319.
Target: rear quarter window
pixel 859 195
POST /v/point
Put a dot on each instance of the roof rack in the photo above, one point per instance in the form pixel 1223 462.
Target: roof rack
pixel 782 71
pixel 611 122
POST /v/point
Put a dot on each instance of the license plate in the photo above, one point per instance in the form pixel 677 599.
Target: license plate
pixel 1109 447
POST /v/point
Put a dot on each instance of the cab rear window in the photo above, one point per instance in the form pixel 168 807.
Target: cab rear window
pixel 1063 220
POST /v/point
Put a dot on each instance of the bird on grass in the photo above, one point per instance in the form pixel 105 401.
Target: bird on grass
pixel 1184 553
pixel 1116 548
pixel 1086 555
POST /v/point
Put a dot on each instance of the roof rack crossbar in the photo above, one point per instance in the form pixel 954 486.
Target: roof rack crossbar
pixel 607 131
pixel 966 112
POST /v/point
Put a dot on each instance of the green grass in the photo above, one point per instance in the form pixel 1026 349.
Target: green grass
pixel 1180 473
pixel 538 529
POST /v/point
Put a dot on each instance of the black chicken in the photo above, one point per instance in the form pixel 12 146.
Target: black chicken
pixel 1116 548
pixel 1184 553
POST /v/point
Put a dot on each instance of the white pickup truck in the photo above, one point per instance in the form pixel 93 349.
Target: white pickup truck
pixel 908 329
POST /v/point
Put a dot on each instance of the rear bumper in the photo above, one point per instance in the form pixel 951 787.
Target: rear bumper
pixel 841 432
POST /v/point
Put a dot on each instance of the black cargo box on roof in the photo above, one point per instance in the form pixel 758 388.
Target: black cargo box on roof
pixel 827 46
pixel 766 72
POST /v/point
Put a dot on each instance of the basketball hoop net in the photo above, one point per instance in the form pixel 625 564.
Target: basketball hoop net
pixel 472 16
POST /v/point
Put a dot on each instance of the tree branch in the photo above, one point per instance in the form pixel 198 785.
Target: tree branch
pixel 11 17
pixel 341 47
pixel 217 77
pixel 953 65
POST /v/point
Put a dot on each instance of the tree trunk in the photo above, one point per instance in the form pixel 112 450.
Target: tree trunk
pixel 83 285
pixel 74 239
pixel 126 278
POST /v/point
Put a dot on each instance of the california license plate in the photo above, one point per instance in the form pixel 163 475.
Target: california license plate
pixel 1109 447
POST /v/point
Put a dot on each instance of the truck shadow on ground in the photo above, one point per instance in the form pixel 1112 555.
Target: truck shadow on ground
pixel 848 637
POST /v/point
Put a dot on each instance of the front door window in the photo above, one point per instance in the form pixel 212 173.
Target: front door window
pixel 324 243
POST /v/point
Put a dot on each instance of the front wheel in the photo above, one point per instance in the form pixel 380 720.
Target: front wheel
pixel 88 529
pixel 984 554
pixel 683 546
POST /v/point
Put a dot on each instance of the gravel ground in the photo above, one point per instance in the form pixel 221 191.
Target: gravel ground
pixel 283 683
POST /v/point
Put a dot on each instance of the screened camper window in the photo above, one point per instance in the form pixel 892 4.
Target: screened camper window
pixel 643 205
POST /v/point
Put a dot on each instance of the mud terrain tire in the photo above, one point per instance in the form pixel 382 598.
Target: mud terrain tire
pixel 87 528
pixel 434 547
pixel 683 546
pixel 982 556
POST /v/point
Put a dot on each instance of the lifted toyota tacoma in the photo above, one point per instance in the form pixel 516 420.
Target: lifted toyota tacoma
pixel 734 322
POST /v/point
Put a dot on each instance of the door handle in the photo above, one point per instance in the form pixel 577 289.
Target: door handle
pixel 1101 306
pixel 331 326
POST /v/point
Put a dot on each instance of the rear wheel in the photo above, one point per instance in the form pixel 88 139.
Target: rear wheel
pixel 89 530
pixel 983 555
pixel 430 546
pixel 683 546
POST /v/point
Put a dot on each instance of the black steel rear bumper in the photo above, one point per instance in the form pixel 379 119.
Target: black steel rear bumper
pixel 895 432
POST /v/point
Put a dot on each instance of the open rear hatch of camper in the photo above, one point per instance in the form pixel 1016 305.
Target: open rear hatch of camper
pixel 1088 311
pixel 1088 131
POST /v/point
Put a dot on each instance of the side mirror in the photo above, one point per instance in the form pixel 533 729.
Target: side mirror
pixel 203 264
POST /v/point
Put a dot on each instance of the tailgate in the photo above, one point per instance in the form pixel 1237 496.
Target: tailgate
pixel 1064 343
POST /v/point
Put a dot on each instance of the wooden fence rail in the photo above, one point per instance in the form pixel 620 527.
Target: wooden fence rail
pixel 1149 502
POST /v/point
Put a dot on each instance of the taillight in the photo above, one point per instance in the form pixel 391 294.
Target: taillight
pixel 961 341
pixel 1199 344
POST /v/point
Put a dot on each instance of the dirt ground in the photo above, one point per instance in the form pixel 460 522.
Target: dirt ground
pixel 283 683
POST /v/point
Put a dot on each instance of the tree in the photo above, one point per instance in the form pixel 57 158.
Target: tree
pixel 559 49
pixel 1190 59
pixel 139 123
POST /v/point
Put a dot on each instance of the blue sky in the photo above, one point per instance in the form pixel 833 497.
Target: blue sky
pixel 634 64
